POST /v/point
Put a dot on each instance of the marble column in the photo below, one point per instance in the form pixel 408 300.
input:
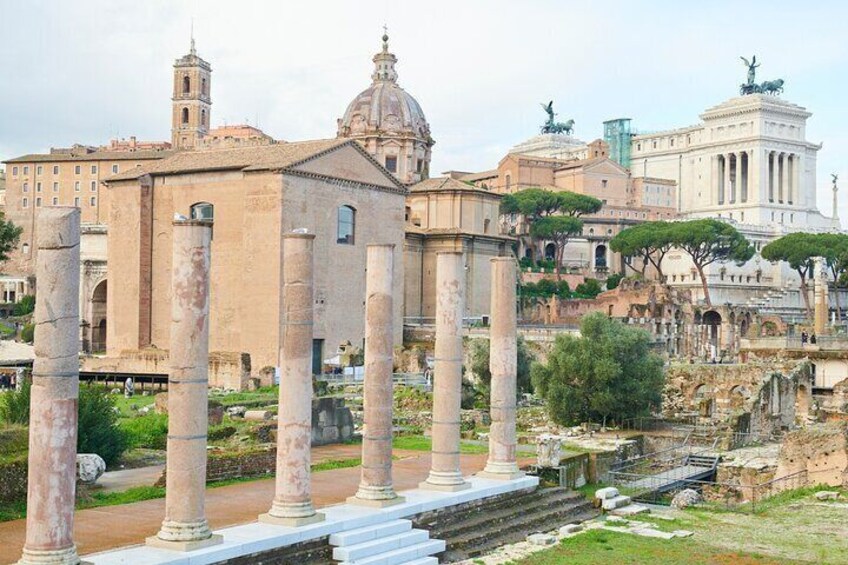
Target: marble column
pixel 780 169
pixel 445 473
pixel 725 191
pixel 54 393
pixel 742 174
pixel 503 366
pixel 292 505
pixel 820 296
pixel 376 487
pixel 792 191
pixel 185 527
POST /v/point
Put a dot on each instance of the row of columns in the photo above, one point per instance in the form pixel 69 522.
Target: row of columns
pixel 751 175
pixel 53 425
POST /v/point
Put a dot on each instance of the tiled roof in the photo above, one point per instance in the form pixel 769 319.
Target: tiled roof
pixel 446 183
pixel 258 158
pixel 480 176
pixel 95 156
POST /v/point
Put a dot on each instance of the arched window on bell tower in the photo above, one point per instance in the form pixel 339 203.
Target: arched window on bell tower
pixel 184 118
pixel 186 85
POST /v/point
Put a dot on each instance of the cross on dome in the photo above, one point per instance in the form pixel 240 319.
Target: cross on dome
pixel 384 62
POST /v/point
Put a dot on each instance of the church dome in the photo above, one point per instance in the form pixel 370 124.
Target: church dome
pixel 384 107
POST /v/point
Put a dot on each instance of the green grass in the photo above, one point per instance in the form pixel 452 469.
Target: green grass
pixel 421 443
pixel 599 546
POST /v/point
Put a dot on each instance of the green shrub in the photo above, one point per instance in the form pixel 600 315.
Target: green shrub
pixel 14 405
pixel 149 431
pixel 25 306
pixel 28 333
pixel 589 288
pixel 613 280
pixel 14 439
pixel 99 431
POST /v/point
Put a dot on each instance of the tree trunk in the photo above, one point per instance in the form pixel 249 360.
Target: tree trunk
pixel 560 251
pixel 704 285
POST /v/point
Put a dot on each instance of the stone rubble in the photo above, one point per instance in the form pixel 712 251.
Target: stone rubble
pixel 90 467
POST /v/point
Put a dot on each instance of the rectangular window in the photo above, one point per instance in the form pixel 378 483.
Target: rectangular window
pixel 604 183
pixel 55 187
pixel 37 202
pixel 114 169
pixel 93 201
pixel 94 169
pixel 14 171
pixel 55 201
pixel 77 170
pixel 39 170
pixel 76 201
pixel 391 163
pixel 38 186
pixel 77 186
pixel 26 187
pixel 26 169
pixel 55 169
pixel 25 203
pixel 94 186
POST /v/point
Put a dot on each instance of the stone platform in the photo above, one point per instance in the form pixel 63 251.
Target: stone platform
pixel 252 538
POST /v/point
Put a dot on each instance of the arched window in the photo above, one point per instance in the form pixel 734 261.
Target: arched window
pixel 203 86
pixel 508 182
pixel 202 211
pixel 186 85
pixel 346 225
pixel 185 116
pixel 203 117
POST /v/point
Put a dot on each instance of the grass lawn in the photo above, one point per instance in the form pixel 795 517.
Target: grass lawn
pixel 599 546
pixel 421 443
pixel 792 527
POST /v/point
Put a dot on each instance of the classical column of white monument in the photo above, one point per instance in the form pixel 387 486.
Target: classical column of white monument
pixel 185 527
pixel 292 504
pixel 376 487
pixel 503 365
pixel 445 473
pixel 55 390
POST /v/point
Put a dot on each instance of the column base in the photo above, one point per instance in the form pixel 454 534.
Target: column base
pixel 291 522
pixel 67 556
pixel 445 488
pixel 156 541
pixel 500 476
pixel 378 503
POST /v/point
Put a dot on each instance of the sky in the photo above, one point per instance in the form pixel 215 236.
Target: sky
pixel 91 70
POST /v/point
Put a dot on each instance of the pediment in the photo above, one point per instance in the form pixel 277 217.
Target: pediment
pixel 348 163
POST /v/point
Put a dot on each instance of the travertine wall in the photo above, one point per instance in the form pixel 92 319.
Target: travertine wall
pixel 821 451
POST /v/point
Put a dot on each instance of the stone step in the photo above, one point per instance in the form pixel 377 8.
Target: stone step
pixel 423 561
pixel 402 555
pixel 631 510
pixel 616 502
pixel 380 545
pixel 500 502
pixel 368 533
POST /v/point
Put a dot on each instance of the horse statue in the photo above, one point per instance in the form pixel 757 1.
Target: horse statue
pixel 552 126
pixel 745 89
pixel 772 86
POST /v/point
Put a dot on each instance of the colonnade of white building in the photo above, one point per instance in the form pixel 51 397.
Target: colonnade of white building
pixel 760 176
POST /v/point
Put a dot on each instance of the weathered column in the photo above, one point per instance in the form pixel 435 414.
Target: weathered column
pixel 55 389
pixel 503 366
pixel 185 527
pixel 445 473
pixel 375 487
pixel 292 504
pixel 725 187
pixel 820 294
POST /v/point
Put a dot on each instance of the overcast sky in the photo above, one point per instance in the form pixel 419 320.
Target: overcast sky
pixel 90 70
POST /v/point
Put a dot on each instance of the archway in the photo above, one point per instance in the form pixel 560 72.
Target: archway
pixel 712 321
pixel 98 317
pixel 703 400
pixel 601 257
pixel 550 252
pixel 738 395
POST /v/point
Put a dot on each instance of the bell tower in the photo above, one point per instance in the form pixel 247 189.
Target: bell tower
pixel 191 102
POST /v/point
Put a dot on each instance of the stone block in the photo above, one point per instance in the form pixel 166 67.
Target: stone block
pixel 90 467
pixel 604 493
pixel 541 539
pixel 257 415
pixel 215 415
pixel 683 533
pixel 617 502
pixel 631 510
pixel 160 403
pixel 827 495
pixel 570 529
pixel 651 533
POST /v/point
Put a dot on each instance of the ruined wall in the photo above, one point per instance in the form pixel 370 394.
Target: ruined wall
pixel 748 397
pixel 821 451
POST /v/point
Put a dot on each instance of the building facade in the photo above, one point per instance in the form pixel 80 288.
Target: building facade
pixel 253 195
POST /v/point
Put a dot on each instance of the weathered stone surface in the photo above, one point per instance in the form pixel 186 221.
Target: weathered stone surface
pixel 257 415
pixel 631 510
pixel 683 533
pixel 236 411
pixel 685 498
pixel 541 539
pixel 548 451
pixel 652 533
pixel 615 502
pixel 569 529
pixel 90 467
pixel 827 495
pixel 607 492
pixel 160 403
pixel 215 415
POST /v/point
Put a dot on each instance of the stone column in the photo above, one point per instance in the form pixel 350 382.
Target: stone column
pixel 779 174
pixel 185 527
pixel 445 473
pixel 55 389
pixel 292 504
pixel 820 296
pixel 725 190
pixel 742 175
pixel 375 487
pixel 503 365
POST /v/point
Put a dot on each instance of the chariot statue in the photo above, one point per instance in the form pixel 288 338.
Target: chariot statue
pixel 551 125
pixel 751 86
